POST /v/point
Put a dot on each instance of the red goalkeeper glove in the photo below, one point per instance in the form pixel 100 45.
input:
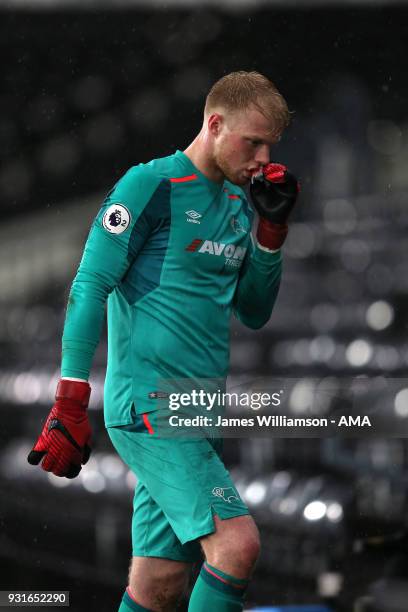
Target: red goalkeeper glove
pixel 274 193
pixel 63 445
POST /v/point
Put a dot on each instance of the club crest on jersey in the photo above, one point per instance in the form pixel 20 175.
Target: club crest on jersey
pixel 238 227
pixel 233 253
pixel 116 219
pixel 193 216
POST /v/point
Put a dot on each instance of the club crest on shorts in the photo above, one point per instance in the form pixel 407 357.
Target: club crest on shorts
pixel 228 494
pixel 116 219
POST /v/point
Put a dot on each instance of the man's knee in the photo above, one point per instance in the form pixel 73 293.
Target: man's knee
pixel 249 549
pixel 158 583
pixel 244 548
pixel 234 547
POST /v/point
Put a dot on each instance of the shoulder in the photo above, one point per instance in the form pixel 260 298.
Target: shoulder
pixel 139 176
pixel 163 167
pixel 137 185
pixel 159 169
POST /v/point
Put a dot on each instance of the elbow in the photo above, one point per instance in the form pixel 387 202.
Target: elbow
pixel 253 322
pixel 257 324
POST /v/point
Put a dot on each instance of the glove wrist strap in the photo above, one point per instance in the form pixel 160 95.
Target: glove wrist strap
pixel 74 391
pixel 271 235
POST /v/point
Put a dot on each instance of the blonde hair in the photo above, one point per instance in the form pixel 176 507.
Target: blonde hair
pixel 239 90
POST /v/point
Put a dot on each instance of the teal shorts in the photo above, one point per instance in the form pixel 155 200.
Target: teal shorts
pixel 182 484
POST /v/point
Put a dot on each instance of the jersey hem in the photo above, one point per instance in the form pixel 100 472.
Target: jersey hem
pixel 117 423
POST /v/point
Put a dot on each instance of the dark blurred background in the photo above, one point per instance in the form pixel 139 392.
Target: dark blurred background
pixel 89 90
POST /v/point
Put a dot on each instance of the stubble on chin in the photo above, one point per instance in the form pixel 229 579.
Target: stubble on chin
pixel 234 177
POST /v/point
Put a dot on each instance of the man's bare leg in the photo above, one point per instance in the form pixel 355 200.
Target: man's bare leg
pixel 231 553
pixel 157 584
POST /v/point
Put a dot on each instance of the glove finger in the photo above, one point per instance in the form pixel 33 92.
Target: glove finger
pixel 73 471
pixel 86 454
pixel 292 183
pixel 277 176
pixel 34 457
pixel 275 173
pixel 65 460
pixel 40 445
pixel 48 462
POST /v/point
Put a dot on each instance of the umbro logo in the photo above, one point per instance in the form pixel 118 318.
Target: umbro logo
pixel 193 216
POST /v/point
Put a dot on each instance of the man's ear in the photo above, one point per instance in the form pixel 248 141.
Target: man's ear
pixel 215 123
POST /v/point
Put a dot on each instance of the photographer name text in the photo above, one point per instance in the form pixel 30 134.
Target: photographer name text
pixel 269 421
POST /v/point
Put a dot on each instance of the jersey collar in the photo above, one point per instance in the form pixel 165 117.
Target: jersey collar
pixel 192 169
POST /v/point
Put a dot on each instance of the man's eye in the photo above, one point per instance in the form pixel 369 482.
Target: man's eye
pixel 256 143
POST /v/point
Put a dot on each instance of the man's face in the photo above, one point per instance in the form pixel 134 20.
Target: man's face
pixel 241 146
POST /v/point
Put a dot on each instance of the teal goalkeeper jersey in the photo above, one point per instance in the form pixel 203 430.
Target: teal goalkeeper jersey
pixel 171 252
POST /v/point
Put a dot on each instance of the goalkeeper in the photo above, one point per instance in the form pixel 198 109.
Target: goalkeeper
pixel 172 254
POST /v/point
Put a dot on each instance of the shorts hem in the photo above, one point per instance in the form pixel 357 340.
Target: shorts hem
pixel 224 516
pixel 211 526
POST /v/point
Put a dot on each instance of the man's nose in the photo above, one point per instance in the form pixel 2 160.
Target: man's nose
pixel 262 156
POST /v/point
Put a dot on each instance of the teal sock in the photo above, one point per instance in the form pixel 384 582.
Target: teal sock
pixel 129 605
pixel 217 591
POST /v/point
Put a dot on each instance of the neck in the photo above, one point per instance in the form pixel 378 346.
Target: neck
pixel 199 154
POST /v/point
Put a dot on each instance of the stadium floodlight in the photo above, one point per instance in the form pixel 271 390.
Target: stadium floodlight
pixel 315 510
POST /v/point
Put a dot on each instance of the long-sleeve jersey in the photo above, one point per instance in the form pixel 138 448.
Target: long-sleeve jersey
pixel 171 251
